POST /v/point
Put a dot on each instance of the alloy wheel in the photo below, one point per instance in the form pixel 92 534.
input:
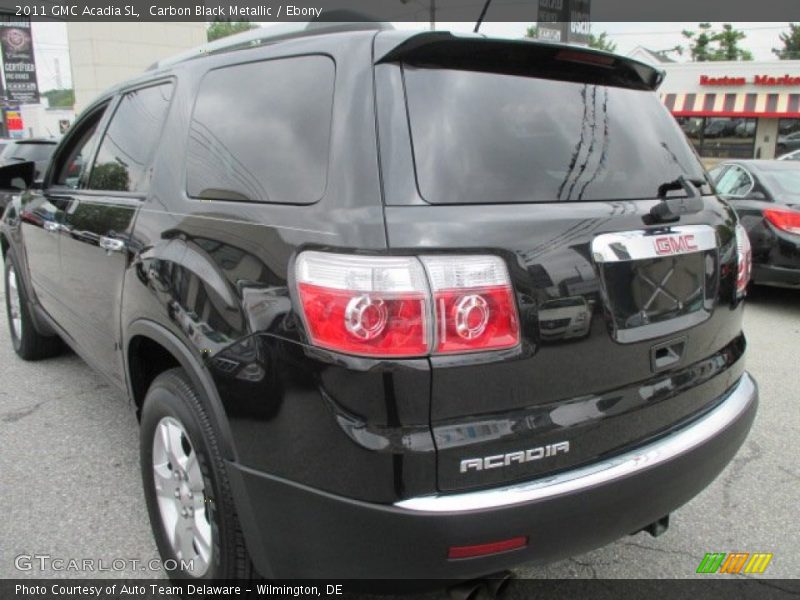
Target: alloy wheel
pixel 180 491
pixel 14 303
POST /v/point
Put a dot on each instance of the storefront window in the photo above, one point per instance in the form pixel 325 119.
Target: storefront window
pixel 788 136
pixel 721 137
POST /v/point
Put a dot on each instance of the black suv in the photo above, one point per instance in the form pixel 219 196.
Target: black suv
pixel 393 304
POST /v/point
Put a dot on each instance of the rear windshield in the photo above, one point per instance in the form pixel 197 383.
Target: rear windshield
pixel 482 137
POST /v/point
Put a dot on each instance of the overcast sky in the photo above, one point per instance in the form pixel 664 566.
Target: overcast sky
pixel 52 54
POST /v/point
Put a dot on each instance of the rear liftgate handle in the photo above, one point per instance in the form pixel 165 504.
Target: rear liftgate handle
pixel 667 354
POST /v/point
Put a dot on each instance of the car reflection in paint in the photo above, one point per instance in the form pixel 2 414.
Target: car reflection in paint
pixel 564 318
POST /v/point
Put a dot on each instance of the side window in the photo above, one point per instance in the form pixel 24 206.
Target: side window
pixel 73 161
pixel 735 182
pixel 124 156
pixel 261 132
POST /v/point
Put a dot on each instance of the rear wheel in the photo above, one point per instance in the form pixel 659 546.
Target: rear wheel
pixel 186 486
pixel 28 343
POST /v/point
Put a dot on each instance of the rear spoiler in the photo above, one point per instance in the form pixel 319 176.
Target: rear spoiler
pixel 438 49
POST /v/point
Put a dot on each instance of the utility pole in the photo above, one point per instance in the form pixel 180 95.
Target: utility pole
pixel 57 67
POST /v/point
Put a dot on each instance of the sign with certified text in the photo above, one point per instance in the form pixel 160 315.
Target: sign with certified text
pixel 19 65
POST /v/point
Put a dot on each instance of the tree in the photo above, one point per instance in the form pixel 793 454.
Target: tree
pixel 700 42
pixel 222 28
pixel 791 44
pixel 110 176
pixel 60 98
pixel 601 42
pixel 705 45
pixel 728 40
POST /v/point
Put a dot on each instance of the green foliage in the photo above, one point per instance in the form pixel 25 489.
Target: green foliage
pixel 60 98
pixel 700 42
pixel 222 28
pixel 110 176
pixel 532 32
pixel 791 44
pixel 602 42
pixel 706 45
pixel 728 40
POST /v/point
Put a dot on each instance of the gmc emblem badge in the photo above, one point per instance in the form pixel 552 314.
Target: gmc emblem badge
pixel 675 244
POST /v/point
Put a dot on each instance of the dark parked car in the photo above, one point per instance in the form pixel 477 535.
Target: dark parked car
pixel 720 128
pixel 316 263
pixel 15 152
pixel 35 150
pixel 788 143
pixel 794 155
pixel 766 194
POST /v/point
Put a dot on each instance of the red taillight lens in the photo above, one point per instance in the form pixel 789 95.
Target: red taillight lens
pixel 785 220
pixel 392 306
pixel 473 302
pixel 365 305
pixel 358 323
pixel 744 260
pixel 490 548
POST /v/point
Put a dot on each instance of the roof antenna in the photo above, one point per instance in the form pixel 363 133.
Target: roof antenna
pixel 483 14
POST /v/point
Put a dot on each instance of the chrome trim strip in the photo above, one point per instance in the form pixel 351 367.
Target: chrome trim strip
pixel 618 467
pixel 642 244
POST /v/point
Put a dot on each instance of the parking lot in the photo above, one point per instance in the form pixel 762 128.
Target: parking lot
pixel 70 484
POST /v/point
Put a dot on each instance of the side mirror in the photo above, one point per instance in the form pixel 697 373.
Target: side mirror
pixel 17 176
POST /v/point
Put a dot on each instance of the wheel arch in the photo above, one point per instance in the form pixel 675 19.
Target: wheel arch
pixel 176 354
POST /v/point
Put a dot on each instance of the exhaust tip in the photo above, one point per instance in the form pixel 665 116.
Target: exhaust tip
pixel 467 590
pixel 491 586
pixel 497 584
pixel 656 528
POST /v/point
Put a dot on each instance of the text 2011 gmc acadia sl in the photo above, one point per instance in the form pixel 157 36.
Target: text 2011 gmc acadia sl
pixel 393 304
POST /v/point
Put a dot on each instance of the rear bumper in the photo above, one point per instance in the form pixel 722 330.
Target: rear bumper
pixel 294 531
pixel 764 274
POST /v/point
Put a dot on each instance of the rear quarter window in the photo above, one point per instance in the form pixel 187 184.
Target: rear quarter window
pixel 260 132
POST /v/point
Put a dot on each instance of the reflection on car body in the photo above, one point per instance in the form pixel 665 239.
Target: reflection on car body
pixel 564 318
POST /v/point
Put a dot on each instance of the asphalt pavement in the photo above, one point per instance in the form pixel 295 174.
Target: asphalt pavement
pixel 70 481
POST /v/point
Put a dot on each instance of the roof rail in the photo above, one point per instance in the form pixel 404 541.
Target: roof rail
pixel 261 36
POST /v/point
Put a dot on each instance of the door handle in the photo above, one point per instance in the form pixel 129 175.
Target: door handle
pixel 111 244
pixel 51 227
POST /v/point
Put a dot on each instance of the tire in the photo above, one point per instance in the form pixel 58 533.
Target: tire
pixel 175 428
pixel 28 343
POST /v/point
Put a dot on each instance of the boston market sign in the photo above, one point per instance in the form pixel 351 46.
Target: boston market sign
pixel 756 80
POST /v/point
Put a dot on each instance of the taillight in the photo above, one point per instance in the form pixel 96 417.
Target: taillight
pixel 395 307
pixel 365 305
pixel 744 260
pixel 785 220
pixel 473 302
